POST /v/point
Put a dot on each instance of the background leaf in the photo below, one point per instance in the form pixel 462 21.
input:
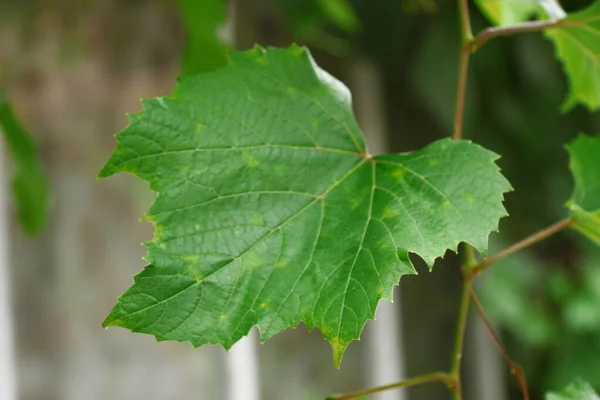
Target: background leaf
pixel 578 47
pixel 29 185
pixel 270 211
pixel 510 12
pixel 578 390
pixel 204 50
pixel 585 201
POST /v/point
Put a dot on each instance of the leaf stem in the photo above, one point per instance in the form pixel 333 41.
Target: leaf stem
pixel 515 368
pixel 418 380
pixel 533 26
pixel 528 241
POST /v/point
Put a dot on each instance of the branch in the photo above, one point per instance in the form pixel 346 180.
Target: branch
pixel 418 380
pixel 515 369
pixel 534 26
pixel 528 241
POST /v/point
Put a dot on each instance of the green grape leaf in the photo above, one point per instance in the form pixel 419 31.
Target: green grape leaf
pixel 29 185
pixel 577 390
pixel 584 203
pixel 578 47
pixel 204 50
pixel 271 212
pixel 510 12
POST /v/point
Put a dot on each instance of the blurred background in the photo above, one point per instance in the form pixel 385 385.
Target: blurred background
pixel 71 69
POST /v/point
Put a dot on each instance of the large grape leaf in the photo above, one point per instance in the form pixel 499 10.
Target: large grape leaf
pixel 584 204
pixel 578 47
pixel 577 390
pixel 29 185
pixel 270 211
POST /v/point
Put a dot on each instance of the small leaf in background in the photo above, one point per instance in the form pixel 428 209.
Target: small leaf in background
pixel 339 13
pixel 29 185
pixel 506 294
pixel 204 50
pixel 511 12
pixel 309 20
pixel 270 211
pixel 584 203
pixel 577 390
pixel 578 47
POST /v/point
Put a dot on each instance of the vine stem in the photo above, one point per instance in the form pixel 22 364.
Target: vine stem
pixel 461 326
pixel 463 68
pixel 465 21
pixel 471 268
pixel 515 368
pixel 528 241
pixel 418 380
pixel 459 110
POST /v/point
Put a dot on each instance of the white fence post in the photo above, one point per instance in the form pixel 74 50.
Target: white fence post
pixel 385 354
pixel 241 363
pixel 8 387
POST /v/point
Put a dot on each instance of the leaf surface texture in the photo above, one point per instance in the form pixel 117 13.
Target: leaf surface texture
pixel 271 212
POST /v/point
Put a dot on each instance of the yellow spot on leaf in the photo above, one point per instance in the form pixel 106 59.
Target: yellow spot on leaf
pixel 251 161
pixel 382 245
pixel 469 197
pixel 397 174
pixel 253 261
pixel 281 264
pixel 356 202
pixel 200 127
pixel 193 258
pixel 389 213
pixel 257 219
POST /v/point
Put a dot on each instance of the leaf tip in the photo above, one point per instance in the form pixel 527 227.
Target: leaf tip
pixel 339 347
pixel 112 321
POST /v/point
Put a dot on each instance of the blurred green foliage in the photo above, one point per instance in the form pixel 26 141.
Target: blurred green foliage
pixel 204 49
pixel 577 390
pixel 29 185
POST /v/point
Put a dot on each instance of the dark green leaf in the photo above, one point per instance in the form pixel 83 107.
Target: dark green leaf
pixel 270 211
